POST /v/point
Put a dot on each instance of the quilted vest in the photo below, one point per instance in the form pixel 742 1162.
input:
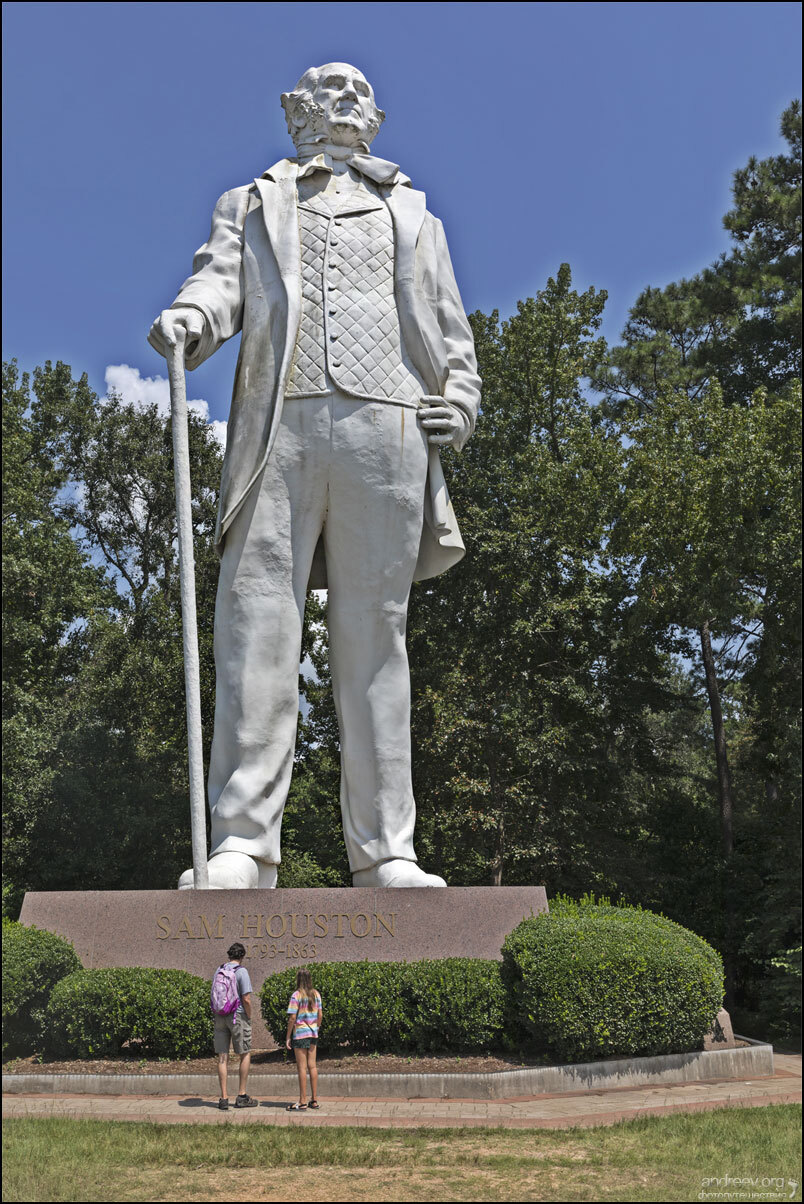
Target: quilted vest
pixel 349 334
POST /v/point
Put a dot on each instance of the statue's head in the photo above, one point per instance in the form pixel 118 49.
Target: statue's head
pixel 334 103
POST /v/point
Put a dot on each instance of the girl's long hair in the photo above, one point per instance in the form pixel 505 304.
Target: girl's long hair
pixel 304 985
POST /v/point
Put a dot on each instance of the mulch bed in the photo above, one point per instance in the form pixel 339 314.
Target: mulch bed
pixel 278 1061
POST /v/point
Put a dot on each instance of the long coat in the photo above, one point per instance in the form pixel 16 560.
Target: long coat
pixel 247 277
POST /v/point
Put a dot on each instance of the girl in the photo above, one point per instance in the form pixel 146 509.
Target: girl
pixel 304 1021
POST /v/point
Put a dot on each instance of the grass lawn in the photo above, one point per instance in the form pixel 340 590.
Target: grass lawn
pixel 656 1158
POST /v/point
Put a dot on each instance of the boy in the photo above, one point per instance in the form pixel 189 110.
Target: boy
pixel 237 1030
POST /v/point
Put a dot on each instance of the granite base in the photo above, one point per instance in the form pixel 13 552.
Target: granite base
pixel 191 930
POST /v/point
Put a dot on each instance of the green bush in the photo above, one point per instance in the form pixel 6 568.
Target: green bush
pixel 33 961
pixel 165 1013
pixel 455 1003
pixel 591 981
pixel 362 1004
pixel 452 1004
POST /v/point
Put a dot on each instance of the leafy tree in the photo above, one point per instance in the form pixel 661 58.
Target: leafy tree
pixel 700 481
pixel 113 805
pixel 668 343
pixel 710 493
pixel 763 271
pixel 533 688
pixel 312 831
pixel 738 321
pixel 51 590
pixel 705 383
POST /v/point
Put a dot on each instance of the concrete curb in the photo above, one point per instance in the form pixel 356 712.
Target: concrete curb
pixel 752 1061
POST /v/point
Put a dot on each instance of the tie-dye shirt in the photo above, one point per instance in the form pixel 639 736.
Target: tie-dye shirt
pixel 306 1019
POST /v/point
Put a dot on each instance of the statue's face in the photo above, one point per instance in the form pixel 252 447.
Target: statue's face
pixel 347 101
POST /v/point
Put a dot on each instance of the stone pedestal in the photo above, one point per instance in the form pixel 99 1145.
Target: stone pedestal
pixel 721 1035
pixel 191 930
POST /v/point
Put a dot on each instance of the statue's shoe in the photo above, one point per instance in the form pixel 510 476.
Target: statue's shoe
pixel 396 873
pixel 234 871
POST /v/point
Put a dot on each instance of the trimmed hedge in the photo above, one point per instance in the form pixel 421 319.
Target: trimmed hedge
pixel 92 1013
pixel 34 960
pixel 587 981
pixel 592 981
pixel 452 1004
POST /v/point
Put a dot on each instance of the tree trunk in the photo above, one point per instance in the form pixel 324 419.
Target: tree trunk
pixel 719 730
pixel 499 853
pixel 499 850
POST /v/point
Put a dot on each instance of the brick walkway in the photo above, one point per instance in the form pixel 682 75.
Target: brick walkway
pixel 539 1111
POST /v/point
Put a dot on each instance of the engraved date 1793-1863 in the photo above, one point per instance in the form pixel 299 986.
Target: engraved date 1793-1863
pixel 263 949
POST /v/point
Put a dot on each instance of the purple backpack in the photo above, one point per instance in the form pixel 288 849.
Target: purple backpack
pixel 225 997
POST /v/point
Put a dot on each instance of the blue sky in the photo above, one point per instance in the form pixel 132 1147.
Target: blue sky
pixel 604 135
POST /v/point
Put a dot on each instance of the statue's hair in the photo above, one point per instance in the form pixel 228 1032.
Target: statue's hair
pixel 304 114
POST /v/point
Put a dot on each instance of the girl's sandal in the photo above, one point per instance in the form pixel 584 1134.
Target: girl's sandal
pixel 314 1104
pixel 296 1108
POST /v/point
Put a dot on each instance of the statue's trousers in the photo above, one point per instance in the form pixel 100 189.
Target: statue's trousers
pixel 354 471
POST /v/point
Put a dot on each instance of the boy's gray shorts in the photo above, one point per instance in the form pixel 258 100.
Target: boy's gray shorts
pixel 237 1031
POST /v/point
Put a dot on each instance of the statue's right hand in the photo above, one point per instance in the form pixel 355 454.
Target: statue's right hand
pixel 176 325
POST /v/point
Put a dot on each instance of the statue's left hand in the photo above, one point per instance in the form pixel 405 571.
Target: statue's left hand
pixel 442 423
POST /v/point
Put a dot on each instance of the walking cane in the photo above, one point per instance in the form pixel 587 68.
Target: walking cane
pixel 189 623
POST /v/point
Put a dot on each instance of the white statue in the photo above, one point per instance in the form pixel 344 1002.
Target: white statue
pixel 356 363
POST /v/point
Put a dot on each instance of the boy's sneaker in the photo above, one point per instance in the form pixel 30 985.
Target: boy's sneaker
pixel 245 1101
pixel 223 1104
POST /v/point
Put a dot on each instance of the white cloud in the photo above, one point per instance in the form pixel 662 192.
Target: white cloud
pixel 155 390
pixel 219 431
